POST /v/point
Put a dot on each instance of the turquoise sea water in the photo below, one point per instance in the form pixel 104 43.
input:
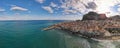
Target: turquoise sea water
pixel 29 34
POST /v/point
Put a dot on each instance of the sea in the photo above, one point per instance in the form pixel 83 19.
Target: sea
pixel 30 34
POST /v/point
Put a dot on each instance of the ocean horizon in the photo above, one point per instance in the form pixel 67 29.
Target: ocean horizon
pixel 30 34
pixel 59 23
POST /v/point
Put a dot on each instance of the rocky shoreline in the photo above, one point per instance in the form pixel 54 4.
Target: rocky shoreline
pixel 99 29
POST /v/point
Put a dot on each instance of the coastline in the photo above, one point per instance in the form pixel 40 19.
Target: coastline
pixel 95 27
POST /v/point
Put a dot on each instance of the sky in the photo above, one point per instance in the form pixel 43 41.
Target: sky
pixel 55 9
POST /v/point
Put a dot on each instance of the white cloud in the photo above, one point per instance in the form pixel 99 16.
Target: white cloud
pixel 84 6
pixel 70 11
pixel 118 5
pixel 1 9
pixel 74 5
pixel 53 4
pixel 48 8
pixel 40 1
pixel 17 8
pixel 118 9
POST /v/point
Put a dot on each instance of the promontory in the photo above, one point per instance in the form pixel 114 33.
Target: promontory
pixel 93 25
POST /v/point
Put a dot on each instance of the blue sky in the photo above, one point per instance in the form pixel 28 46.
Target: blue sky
pixel 53 9
pixel 33 9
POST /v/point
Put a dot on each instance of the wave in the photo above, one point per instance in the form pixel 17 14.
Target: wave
pixel 79 42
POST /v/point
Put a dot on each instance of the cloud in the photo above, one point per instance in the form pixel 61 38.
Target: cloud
pixel 118 9
pixel 84 6
pixel 48 8
pixel 40 1
pixel 17 8
pixel 53 4
pixel 2 10
pixel 91 5
pixel 74 5
pixel 70 11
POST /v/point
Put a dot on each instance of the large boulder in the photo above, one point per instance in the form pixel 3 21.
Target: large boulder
pixel 94 16
pixel 91 16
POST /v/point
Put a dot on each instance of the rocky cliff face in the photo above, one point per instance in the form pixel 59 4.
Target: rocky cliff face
pixel 94 16
pixel 93 25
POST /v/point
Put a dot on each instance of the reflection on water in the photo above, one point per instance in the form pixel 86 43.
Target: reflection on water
pixel 79 42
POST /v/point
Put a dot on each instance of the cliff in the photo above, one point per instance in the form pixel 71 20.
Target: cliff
pixel 94 16
pixel 91 28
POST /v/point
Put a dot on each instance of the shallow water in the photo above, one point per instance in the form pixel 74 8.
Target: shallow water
pixel 29 34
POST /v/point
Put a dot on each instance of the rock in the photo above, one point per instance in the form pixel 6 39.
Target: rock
pixel 91 16
pixel 89 28
pixel 93 25
pixel 94 16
